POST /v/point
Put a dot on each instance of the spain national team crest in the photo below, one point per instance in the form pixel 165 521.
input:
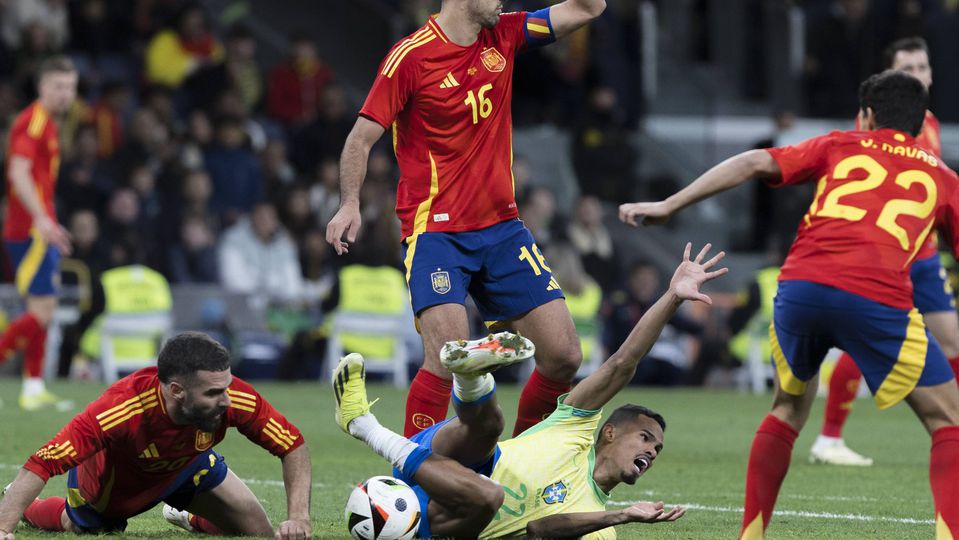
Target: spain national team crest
pixel 441 282
pixel 423 421
pixel 493 60
pixel 554 493
pixel 204 441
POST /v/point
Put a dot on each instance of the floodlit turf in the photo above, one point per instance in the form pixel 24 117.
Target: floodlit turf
pixel 703 464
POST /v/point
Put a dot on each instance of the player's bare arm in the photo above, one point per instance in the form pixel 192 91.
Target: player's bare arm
pixel 727 175
pixel 25 487
pixel 26 191
pixel 297 478
pixel 577 524
pixel 356 152
pixel 600 387
pixel 566 17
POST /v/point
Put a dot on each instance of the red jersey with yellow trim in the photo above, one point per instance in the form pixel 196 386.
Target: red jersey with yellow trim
pixel 33 136
pixel 127 450
pixel 929 139
pixel 878 196
pixel 449 109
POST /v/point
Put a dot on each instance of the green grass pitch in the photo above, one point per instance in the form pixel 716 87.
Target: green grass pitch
pixel 703 464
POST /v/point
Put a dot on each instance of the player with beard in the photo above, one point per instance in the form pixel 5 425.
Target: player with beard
pixel 445 95
pixel 149 439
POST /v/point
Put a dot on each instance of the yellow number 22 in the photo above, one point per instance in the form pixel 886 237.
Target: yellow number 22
pixel 875 175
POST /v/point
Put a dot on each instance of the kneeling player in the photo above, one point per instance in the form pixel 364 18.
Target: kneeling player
pixel 552 480
pixel 149 439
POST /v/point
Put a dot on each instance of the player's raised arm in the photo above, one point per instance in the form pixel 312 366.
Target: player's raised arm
pixel 353 161
pixel 600 387
pixel 577 524
pixel 726 175
pixel 568 16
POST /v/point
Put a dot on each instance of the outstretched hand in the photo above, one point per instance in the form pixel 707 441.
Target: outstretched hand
pixel 650 213
pixel 346 221
pixel 692 274
pixel 648 512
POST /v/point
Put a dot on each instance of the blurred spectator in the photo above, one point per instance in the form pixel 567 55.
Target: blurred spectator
pixel 193 259
pixel 843 48
pixel 591 239
pixel 583 298
pixel 668 362
pixel 17 15
pixel 145 143
pixel 235 171
pixel 173 54
pixel 378 243
pixel 239 72
pixel 144 183
pixel 256 256
pixel 537 209
pixel 199 139
pixel 296 86
pixel 84 182
pixel 36 44
pixel 325 193
pixel 124 232
pixel 603 154
pixel 108 116
pixel 295 213
pixel 278 173
pixel 324 137
pixel 88 259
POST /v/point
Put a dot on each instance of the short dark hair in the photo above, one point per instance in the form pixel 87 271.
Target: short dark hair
pixel 185 354
pixel 909 44
pixel 898 100
pixel 630 413
pixel 56 64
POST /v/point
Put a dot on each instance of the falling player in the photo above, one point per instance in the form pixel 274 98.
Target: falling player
pixel 846 281
pixel 444 92
pixel 551 481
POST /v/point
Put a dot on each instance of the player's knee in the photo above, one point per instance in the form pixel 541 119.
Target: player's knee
pixel 562 362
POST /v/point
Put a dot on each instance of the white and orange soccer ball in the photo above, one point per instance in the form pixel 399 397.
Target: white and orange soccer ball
pixel 383 508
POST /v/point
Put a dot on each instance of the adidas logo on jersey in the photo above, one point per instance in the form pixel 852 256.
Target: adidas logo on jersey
pixel 449 81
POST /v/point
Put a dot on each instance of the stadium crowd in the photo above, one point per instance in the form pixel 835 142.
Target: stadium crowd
pixel 183 152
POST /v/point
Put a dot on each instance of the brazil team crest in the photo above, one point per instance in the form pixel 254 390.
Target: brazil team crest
pixel 441 282
pixel 554 493
pixel 493 60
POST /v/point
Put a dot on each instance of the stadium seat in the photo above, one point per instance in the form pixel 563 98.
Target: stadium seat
pixel 373 318
pixel 137 317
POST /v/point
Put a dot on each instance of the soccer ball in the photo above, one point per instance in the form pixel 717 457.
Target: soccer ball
pixel 383 508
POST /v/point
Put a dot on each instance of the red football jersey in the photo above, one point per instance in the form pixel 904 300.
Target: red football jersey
pixel 33 136
pixel 878 196
pixel 928 138
pixel 449 110
pixel 128 451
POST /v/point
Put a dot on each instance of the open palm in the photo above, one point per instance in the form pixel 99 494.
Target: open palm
pixel 649 512
pixel 691 274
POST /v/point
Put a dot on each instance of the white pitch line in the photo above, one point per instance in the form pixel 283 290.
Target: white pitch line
pixel 835 498
pixel 793 513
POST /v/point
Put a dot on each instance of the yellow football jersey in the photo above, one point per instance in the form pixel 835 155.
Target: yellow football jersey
pixel 548 470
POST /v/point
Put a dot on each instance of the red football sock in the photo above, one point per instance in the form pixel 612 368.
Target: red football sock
pixel 954 363
pixel 427 402
pixel 537 401
pixel 944 478
pixel 768 463
pixel 843 386
pixel 34 354
pixel 204 525
pixel 45 513
pixel 19 334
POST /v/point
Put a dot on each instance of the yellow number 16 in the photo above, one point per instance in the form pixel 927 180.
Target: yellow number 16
pixel 524 255
pixel 481 105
